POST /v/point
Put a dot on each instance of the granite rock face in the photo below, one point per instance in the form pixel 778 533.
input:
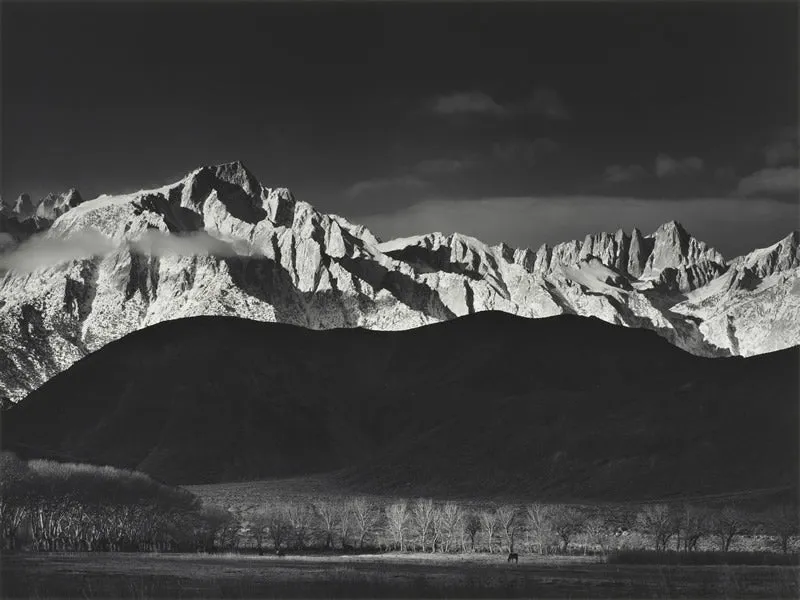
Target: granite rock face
pixel 53 206
pixel 218 242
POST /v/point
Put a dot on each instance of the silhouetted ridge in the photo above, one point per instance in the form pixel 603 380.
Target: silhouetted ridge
pixel 562 406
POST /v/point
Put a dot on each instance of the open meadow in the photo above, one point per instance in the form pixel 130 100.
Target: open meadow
pixel 137 575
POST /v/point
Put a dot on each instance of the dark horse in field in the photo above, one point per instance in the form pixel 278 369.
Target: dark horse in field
pixel 513 556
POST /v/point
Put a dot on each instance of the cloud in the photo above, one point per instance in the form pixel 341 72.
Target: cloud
pixel 415 177
pixel 461 103
pixel 732 225
pixel 385 183
pixel 783 180
pixel 157 243
pixel 666 166
pixel 783 151
pixel 528 152
pixel 543 101
pixel 43 250
pixel 546 102
pixel 624 173
pixel 438 166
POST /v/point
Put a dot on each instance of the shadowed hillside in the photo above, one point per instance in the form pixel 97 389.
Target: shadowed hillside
pixel 567 407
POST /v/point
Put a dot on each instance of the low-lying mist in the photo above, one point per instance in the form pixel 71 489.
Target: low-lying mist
pixel 46 250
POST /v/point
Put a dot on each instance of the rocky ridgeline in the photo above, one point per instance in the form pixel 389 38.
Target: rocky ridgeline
pixel 259 253
pixel 23 219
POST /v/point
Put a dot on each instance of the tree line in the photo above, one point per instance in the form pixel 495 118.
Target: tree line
pixel 424 525
pixel 46 506
pixel 50 506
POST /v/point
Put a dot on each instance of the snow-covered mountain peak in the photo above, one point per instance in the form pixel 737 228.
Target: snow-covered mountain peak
pixel 218 242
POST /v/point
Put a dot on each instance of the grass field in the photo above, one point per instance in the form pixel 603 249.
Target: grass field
pixel 380 576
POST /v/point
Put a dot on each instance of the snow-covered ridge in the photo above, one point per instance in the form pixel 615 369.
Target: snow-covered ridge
pixel 293 264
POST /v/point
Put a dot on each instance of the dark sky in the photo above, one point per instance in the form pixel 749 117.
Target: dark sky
pixel 524 122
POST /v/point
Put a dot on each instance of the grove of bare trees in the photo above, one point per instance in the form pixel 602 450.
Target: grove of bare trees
pixel 67 506
pixel 47 506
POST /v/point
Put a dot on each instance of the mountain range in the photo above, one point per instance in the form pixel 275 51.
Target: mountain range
pixel 563 407
pixel 77 275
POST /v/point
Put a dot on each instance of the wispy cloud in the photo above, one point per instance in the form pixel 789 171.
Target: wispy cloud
pixel 782 180
pixel 414 177
pixel 42 251
pixel 542 101
pixel 438 166
pixel 625 173
pixel 527 152
pixel 385 183
pixel 461 103
pixel 666 166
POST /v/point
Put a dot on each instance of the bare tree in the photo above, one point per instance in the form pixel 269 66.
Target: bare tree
pixel 782 522
pixel 228 530
pixel 507 518
pixel 365 516
pixel 345 524
pixel 329 514
pixel 422 515
pixel 726 524
pixel 472 526
pixel 659 521
pixel 452 525
pixel 397 517
pixel 278 525
pixel 693 525
pixel 598 530
pixel 567 521
pixel 15 486
pixel 300 517
pixel 489 524
pixel 437 541
pixel 258 528
pixel 538 525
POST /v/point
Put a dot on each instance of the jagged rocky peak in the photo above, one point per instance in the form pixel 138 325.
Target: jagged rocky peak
pixel 674 247
pixel 357 231
pixel 237 174
pixel 542 261
pixel 53 206
pixel 242 197
pixel 234 186
pixel 23 208
pixel 638 251
pixel 639 256
pixel 456 253
pixel 504 251
pixel 526 258
pixel 610 249
pixel 781 256
pixel 670 257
